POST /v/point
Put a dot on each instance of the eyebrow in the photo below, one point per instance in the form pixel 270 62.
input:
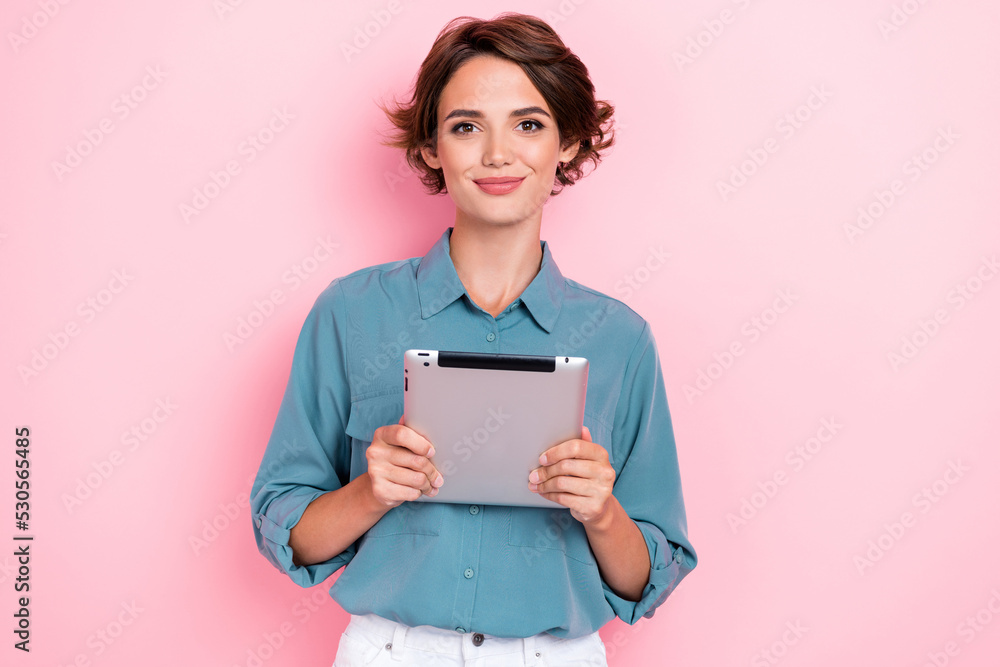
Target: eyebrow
pixel 473 113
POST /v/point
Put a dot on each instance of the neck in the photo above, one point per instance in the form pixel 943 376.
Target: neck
pixel 495 262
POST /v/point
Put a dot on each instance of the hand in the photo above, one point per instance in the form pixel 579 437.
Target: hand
pixel 399 465
pixel 576 474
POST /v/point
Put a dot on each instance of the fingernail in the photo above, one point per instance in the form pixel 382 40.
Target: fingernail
pixel 544 459
pixel 433 492
pixel 431 453
pixel 533 477
pixel 439 481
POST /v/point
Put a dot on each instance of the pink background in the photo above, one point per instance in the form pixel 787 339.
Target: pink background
pixel 881 95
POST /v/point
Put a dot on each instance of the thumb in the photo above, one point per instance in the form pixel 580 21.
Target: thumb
pixel 586 434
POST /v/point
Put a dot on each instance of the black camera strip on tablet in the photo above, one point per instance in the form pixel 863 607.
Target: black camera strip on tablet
pixel 500 362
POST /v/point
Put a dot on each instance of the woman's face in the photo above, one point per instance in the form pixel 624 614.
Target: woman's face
pixel 493 123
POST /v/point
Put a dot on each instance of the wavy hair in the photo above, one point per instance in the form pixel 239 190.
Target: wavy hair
pixel 557 73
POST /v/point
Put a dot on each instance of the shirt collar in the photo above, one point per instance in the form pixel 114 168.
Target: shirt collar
pixel 438 284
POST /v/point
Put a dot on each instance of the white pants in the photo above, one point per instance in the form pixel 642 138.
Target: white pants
pixel 373 640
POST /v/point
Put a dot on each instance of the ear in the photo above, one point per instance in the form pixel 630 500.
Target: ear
pixel 430 157
pixel 567 154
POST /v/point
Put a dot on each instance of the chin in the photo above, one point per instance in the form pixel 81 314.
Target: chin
pixel 496 210
pixel 494 220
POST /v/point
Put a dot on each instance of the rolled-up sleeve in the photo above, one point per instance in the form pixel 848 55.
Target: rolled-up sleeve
pixel 648 485
pixel 308 453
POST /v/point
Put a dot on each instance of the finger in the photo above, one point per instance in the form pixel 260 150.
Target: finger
pixel 577 499
pixel 391 468
pixel 401 439
pixel 576 487
pixel 415 479
pixel 565 499
pixel 573 449
pixel 404 436
pixel 396 493
pixel 572 467
pixel 586 434
pixel 427 467
pixel 580 476
pixel 404 458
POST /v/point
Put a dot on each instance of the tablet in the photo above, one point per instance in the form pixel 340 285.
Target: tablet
pixel 490 416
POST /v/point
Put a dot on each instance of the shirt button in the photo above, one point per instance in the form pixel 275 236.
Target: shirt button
pixel 474 509
pixel 459 629
pixel 258 522
pixel 491 336
pixel 477 639
pixel 469 573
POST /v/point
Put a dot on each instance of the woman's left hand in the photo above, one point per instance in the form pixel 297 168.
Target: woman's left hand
pixel 576 474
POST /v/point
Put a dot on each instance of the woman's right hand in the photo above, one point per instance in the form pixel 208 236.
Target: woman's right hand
pixel 399 465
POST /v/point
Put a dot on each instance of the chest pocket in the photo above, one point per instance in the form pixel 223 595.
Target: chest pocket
pixel 408 518
pixel 540 530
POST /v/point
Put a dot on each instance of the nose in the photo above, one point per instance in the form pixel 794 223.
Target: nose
pixel 496 152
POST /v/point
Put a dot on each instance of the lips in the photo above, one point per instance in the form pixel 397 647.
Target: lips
pixel 498 185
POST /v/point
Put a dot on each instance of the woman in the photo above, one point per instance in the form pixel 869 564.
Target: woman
pixel 502 112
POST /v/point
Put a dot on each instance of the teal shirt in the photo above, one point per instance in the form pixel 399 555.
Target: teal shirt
pixel 500 570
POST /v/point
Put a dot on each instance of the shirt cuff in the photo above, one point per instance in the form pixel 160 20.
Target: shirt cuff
pixel 667 568
pixel 272 528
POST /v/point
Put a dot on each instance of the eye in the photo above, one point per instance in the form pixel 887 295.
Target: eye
pixel 534 122
pixel 458 126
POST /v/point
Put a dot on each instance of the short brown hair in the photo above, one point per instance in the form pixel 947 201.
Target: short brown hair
pixel 555 71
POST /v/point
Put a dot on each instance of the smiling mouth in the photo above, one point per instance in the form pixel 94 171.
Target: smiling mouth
pixel 499 185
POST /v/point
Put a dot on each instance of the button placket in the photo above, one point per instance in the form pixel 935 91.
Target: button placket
pixel 469 560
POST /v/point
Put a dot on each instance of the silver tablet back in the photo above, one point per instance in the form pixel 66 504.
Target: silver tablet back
pixel 489 417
